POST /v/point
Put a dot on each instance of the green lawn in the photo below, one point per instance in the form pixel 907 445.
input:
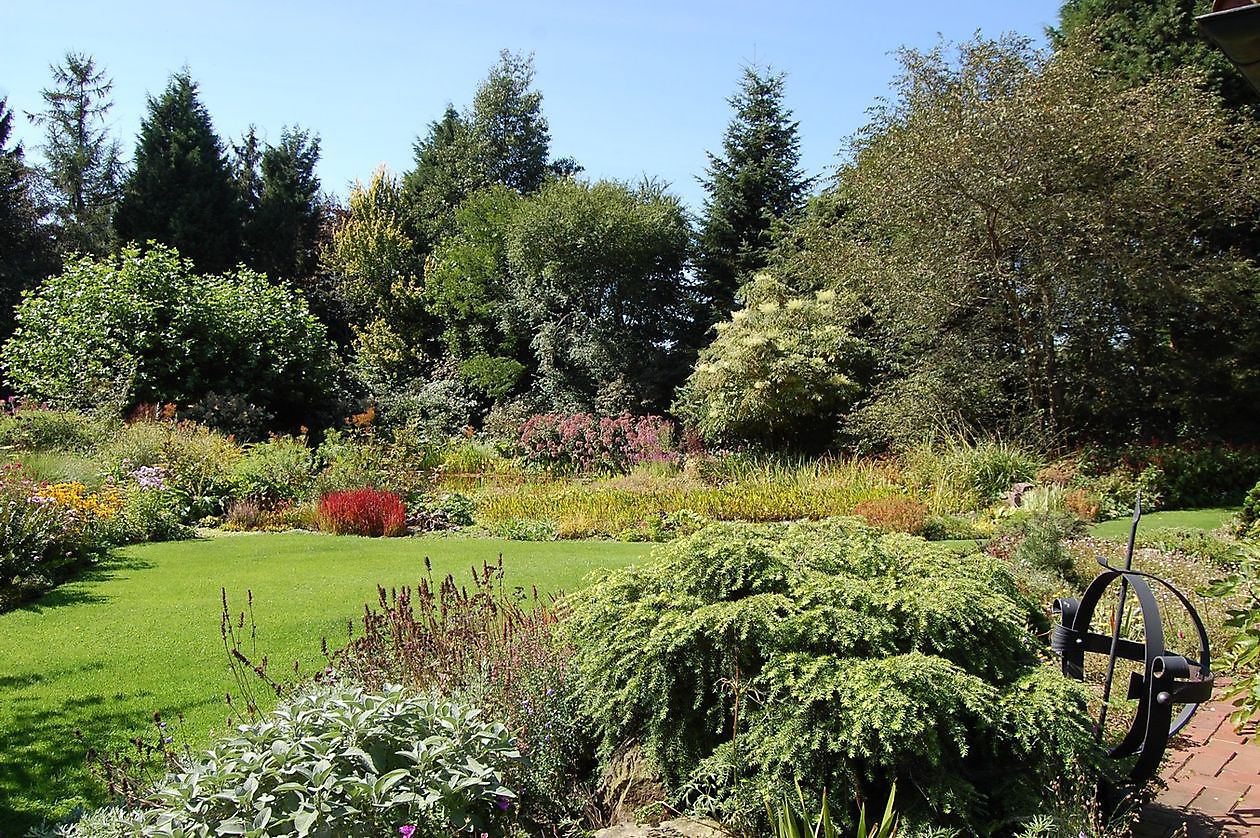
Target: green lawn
pixel 100 655
pixel 1198 519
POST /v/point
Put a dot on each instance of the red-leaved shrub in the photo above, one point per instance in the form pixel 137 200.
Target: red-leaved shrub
pixel 372 512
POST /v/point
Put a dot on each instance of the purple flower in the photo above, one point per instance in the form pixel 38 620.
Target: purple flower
pixel 406 830
pixel 502 802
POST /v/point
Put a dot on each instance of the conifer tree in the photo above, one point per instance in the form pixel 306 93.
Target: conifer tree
pixel 181 191
pixel 282 231
pixel 83 168
pixel 1141 39
pixel 755 181
pixel 26 255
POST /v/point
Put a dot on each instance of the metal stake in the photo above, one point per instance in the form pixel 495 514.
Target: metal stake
pixel 1119 621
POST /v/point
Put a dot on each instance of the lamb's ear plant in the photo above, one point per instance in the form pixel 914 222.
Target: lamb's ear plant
pixel 786 821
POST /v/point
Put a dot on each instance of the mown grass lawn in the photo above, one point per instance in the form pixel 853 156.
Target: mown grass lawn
pixel 1196 519
pixel 141 635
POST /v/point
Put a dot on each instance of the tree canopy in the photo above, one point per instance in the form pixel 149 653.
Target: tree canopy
pixel 26 253
pixel 1139 40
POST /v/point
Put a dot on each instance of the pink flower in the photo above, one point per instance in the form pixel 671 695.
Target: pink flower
pixel 406 830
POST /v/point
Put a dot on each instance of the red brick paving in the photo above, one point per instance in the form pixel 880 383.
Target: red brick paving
pixel 1213 782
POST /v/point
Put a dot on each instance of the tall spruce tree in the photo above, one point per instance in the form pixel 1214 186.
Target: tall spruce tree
pixel 83 168
pixel 181 191
pixel 282 231
pixel 26 254
pixel 754 182
pixel 1140 39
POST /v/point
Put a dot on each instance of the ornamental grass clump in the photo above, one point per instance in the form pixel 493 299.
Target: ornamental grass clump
pixel 748 658
pixel 370 512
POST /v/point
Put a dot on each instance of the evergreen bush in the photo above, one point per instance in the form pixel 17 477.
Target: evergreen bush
pixel 834 655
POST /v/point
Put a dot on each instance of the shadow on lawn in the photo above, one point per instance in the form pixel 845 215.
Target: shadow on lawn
pixel 84 589
pixel 44 771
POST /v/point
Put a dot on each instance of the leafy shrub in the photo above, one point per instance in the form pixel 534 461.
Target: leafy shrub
pixel 399 459
pixel 1242 655
pixel 276 472
pixel 144 327
pixel 369 512
pixel 894 514
pixel 582 443
pixel 1249 515
pixel 53 430
pixel 949 528
pixel 343 761
pixel 230 414
pixel 199 464
pixel 873 658
pixel 498 651
pixel 149 513
pixel 782 371
pixel 443 511
pixel 1174 476
pixel 1083 504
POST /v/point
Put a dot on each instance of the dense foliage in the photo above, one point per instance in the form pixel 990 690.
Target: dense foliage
pixel 341 761
pixel 834 655
pixel 146 328
pixel 1034 245
pixel 1141 41
pixel 780 371
pixel 755 182
pixel 180 192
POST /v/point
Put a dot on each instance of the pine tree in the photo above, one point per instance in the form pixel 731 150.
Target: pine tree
pixel 26 254
pixel 282 231
pixel 83 168
pixel 756 181
pixel 181 191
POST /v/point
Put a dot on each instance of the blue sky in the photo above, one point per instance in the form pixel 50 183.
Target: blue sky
pixel 630 89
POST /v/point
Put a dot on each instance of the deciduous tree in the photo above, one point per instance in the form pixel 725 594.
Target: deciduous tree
pixel 597 281
pixel 1038 243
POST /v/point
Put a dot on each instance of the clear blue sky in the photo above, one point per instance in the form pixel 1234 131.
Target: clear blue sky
pixel 629 88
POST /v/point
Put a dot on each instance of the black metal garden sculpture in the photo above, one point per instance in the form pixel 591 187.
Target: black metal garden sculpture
pixel 1164 678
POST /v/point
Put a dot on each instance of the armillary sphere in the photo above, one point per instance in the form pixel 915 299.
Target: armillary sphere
pixel 1161 679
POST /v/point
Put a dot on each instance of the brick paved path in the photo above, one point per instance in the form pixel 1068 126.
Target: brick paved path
pixel 1213 777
